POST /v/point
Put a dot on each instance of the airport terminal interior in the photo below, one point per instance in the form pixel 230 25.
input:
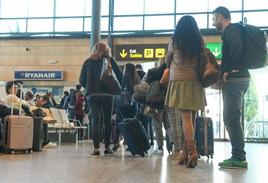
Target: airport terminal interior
pixel 43 47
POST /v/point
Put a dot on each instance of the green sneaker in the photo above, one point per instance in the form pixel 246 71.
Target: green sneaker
pixel 233 164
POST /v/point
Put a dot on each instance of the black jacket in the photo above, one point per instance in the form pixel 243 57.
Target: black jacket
pixel 90 76
pixel 155 73
pixel 232 48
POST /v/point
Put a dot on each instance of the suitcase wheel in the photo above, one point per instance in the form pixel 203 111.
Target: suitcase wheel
pixel 142 154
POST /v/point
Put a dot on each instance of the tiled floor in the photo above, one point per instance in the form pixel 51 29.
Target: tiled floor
pixel 70 163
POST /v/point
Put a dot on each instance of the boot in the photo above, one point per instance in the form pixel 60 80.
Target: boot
pixel 183 157
pixel 192 155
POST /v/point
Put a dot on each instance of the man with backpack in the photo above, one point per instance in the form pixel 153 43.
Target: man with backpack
pixel 235 84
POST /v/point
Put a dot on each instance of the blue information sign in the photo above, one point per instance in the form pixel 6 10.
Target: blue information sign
pixel 39 75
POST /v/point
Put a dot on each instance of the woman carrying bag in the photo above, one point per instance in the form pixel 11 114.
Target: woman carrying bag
pixel 99 98
pixel 185 92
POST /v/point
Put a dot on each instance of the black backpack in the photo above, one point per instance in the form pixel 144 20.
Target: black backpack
pixel 254 53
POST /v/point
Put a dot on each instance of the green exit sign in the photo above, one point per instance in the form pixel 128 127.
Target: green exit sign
pixel 215 48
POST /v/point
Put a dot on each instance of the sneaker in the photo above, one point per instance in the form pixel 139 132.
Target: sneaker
pixel 50 145
pixel 108 152
pixel 95 153
pixel 233 164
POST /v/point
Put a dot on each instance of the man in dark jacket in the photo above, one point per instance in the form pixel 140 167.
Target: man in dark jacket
pixel 236 82
pixel 140 71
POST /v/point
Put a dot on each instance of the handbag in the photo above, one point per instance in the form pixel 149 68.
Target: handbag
pixel 109 79
pixel 209 72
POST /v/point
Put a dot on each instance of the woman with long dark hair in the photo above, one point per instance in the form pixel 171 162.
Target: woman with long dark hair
pixel 131 77
pixel 185 93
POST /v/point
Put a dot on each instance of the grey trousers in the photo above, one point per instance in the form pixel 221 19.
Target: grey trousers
pixel 160 119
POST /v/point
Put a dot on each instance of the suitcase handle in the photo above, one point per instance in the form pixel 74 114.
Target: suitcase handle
pixel 18 83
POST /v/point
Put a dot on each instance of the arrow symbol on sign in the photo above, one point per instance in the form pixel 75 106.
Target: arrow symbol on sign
pixel 216 52
pixel 123 53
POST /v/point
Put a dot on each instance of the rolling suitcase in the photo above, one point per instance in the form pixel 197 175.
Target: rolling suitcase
pixel 135 135
pixel 204 136
pixel 18 132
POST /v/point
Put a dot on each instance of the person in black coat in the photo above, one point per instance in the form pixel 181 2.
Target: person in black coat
pixel 99 99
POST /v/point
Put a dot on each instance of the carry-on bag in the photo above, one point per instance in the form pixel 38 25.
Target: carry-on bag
pixel 18 130
pixel 135 135
pixel 37 133
pixel 204 136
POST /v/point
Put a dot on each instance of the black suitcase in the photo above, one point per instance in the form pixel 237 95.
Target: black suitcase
pixel 204 136
pixel 135 135
pixel 37 133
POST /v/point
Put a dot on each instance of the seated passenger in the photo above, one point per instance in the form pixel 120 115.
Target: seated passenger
pixel 45 103
pixel 12 99
pixel 29 98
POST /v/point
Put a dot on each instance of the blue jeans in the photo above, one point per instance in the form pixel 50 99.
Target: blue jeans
pixel 233 95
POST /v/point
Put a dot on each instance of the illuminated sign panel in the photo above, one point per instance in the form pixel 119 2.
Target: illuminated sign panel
pixel 216 49
pixel 140 52
pixel 39 75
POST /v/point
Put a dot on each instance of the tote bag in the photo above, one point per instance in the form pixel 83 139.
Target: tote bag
pixel 109 79
pixel 209 72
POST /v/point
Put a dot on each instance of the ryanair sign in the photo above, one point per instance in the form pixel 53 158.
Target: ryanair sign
pixel 140 52
pixel 39 75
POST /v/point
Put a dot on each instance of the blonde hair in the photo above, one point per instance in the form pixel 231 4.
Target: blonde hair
pixel 100 47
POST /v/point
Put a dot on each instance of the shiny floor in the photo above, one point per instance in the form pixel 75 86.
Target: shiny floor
pixel 71 163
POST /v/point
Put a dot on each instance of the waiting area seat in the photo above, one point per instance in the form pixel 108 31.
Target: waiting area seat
pixel 64 126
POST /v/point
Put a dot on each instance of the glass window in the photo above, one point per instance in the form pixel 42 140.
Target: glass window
pixel 40 25
pixel 201 20
pixel 104 23
pixel 8 9
pixel 159 6
pixel 12 26
pixel 183 6
pixel 256 104
pixel 88 7
pixel 68 24
pixel 87 24
pixel 41 8
pixel 230 4
pixel 158 22
pixel 128 23
pixel 70 8
pixel 105 7
pixel 132 7
pixel 253 5
pixel 257 18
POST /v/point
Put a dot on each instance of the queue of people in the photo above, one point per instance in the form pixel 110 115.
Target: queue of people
pixel 184 94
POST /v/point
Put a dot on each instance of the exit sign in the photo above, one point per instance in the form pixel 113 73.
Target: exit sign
pixel 216 49
pixel 140 52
